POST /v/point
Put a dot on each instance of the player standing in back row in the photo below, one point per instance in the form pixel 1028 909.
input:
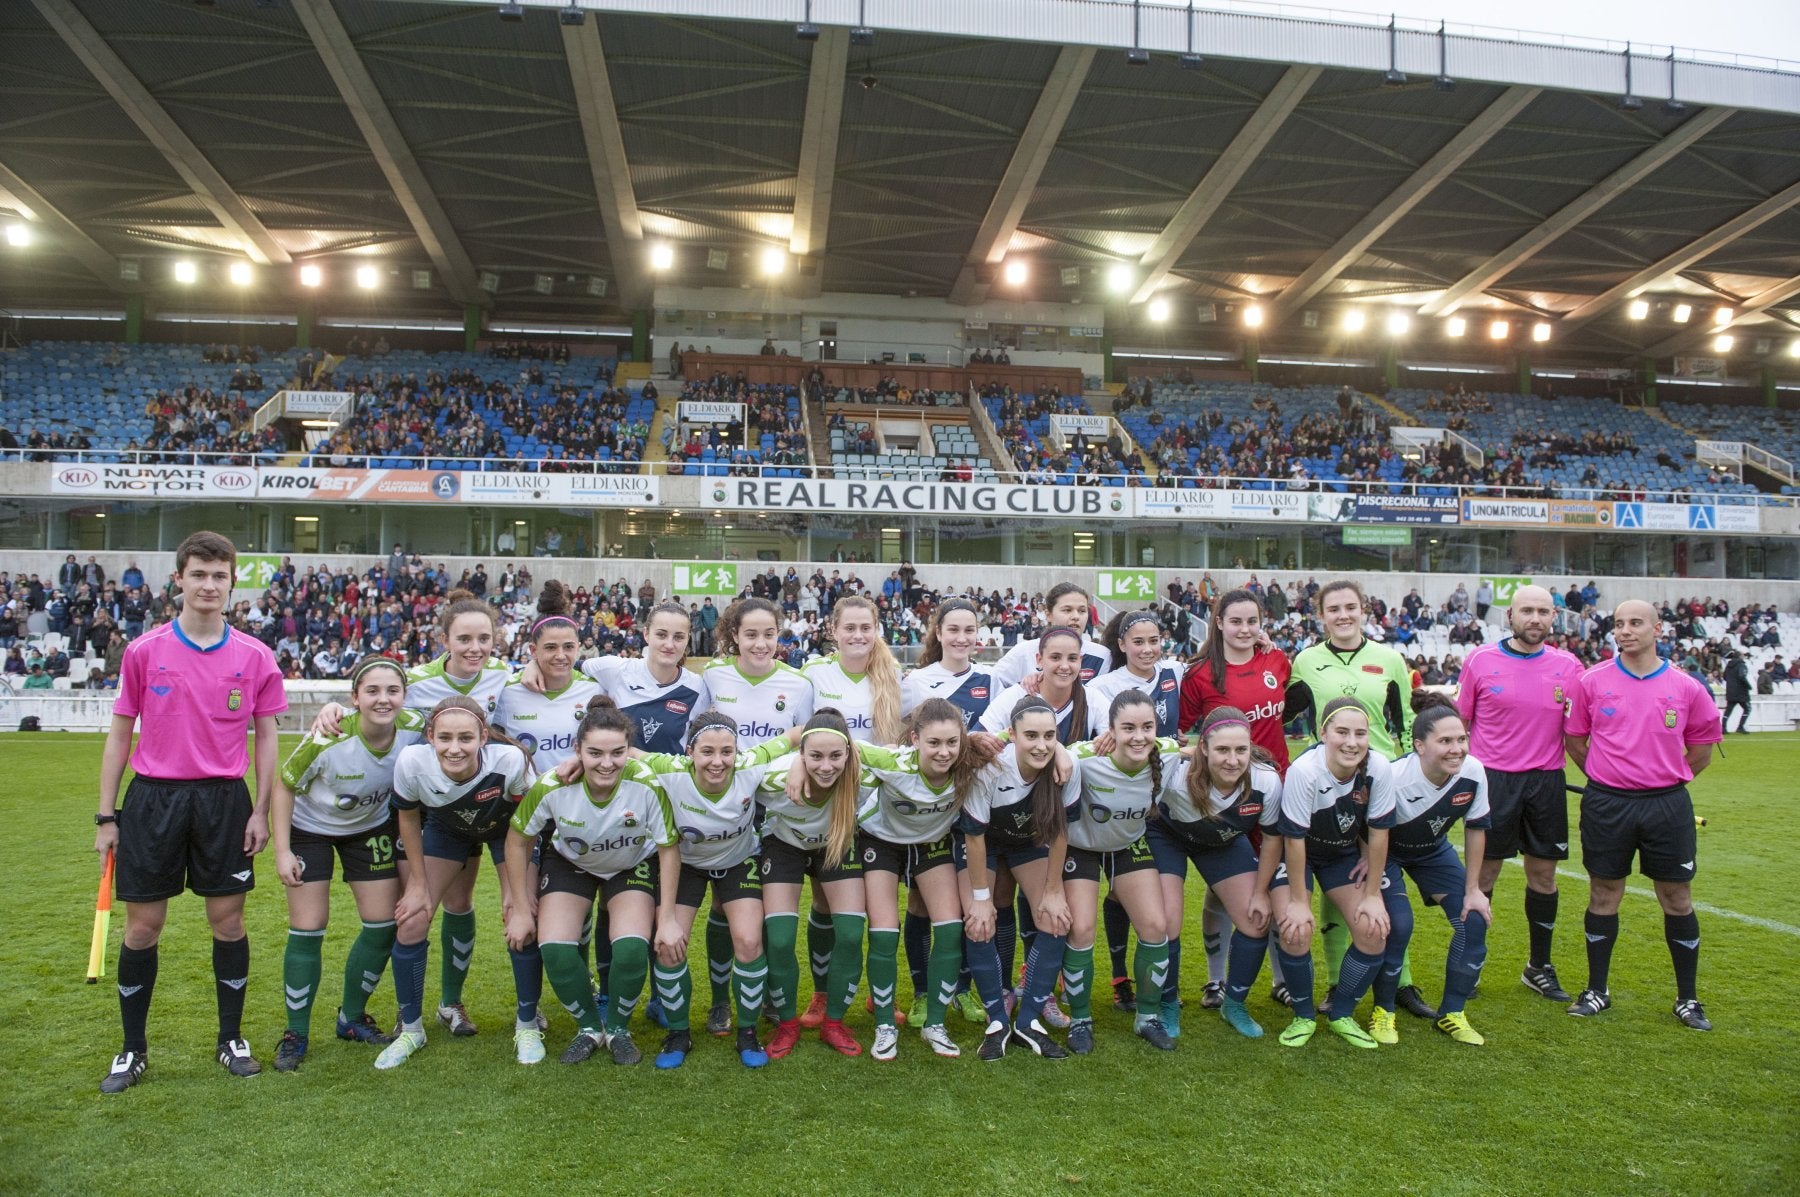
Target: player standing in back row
pixel 1513 698
pixel 1641 729
pixel 193 685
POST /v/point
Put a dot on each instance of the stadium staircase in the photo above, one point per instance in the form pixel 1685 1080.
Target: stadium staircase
pixel 1395 414
pixel 668 394
pixel 988 437
pixel 818 432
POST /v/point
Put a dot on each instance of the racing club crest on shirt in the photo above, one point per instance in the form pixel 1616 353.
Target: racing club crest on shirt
pixel 1269 682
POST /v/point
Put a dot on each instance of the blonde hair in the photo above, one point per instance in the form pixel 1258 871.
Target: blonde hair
pixel 882 671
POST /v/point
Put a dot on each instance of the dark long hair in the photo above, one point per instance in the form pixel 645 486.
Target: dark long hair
pixel 1124 700
pixel 1213 650
pixel 1047 816
pixel 1078 714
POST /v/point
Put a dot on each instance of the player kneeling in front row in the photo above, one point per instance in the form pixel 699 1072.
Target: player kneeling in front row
pixel 599 835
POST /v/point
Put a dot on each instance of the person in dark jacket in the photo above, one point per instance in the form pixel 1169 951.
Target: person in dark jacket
pixel 1737 691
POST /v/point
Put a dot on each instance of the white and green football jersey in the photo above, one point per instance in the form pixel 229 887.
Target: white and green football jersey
pixel 717 830
pixel 428 684
pixel 1115 803
pixel 602 836
pixel 545 724
pixel 341 785
pixel 908 809
pixel 764 707
pixel 851 693
pixel 800 824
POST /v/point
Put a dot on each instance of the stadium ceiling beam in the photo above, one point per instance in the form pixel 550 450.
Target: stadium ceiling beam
pixel 1350 248
pixel 430 223
pixel 1702 331
pixel 204 179
pixel 1216 185
pixel 1030 156
pixel 818 152
pixel 1689 255
pixel 69 236
pixel 606 160
pixel 1577 210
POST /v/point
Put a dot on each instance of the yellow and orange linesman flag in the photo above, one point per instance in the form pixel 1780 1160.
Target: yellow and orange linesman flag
pixel 102 918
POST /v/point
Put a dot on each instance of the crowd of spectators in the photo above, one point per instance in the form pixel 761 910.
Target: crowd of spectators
pixel 193 420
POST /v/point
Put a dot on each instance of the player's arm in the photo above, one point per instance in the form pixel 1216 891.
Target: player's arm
pixel 1370 907
pixel 267 743
pixel 281 826
pixel 112 770
pixel 417 897
pixel 1052 911
pixel 521 923
pixel 1577 748
pixel 1699 756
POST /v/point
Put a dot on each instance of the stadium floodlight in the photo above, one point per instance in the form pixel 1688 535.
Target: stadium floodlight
pixel 18 236
pixel 1723 343
pixel 1398 323
pixel 239 274
pixel 1015 272
pixel 1794 349
pixel 311 276
pixel 367 277
pixel 1682 313
pixel 774 261
pixel 806 31
pixel 1118 278
pixel 1540 332
pixel 572 15
pixel 1721 317
pixel 1253 316
pixel 1158 310
pixel 1640 308
pixel 1456 326
pixel 662 256
pixel 186 272
pixel 1498 330
pixel 1355 320
pixel 512 12
pixel 1137 56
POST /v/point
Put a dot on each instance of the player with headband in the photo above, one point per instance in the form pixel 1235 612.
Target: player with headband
pixel 1065 606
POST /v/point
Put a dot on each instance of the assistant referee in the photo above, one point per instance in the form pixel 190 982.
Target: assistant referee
pixel 1641 730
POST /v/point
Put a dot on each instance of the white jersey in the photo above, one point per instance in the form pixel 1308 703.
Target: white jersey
pixel 1226 816
pixel 800 824
pixel 1021 661
pixel 764 707
pixel 478 809
pixel 1424 812
pixel 717 831
pixel 602 837
pixel 998 716
pixel 342 786
pixel 1330 814
pixel 545 724
pixel 968 691
pixel 851 693
pixel 428 684
pixel 660 712
pixel 1000 803
pixel 908 809
pixel 1163 688
pixel 1115 803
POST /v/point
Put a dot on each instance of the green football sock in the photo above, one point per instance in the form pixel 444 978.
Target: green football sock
pixel 944 967
pixel 1150 968
pixel 625 979
pixel 457 936
pixel 884 972
pixel 300 969
pixel 1078 981
pixel 675 990
pixel 846 963
pixel 719 957
pixel 363 967
pixel 751 980
pixel 821 936
pixel 779 934
pixel 568 975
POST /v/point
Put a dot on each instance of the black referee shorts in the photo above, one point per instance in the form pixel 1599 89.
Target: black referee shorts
pixel 176 835
pixel 1655 826
pixel 1530 813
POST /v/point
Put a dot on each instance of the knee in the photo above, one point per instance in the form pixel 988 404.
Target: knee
pixel 413 929
pixel 746 946
pixel 1153 928
pixel 1677 900
pixel 229 925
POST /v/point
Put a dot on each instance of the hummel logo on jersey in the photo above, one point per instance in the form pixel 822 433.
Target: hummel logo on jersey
pixel 245 875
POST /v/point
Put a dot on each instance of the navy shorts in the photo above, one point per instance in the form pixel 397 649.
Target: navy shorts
pixel 446 843
pixel 1440 873
pixel 1174 851
pixel 1334 872
pixel 996 857
pixel 182 834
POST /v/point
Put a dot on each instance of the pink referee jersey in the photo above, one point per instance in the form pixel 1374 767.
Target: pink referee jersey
pixel 1639 728
pixel 194 705
pixel 1514 705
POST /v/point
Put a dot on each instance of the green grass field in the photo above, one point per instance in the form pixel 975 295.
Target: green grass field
pixel 1631 1102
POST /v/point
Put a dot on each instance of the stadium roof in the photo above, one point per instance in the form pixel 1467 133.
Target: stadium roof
pixel 509 158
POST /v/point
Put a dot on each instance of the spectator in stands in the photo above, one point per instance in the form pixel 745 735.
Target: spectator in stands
pixel 15 662
pixel 37 679
pixel 68 574
pixel 1778 670
pixel 56 663
pixel 1765 678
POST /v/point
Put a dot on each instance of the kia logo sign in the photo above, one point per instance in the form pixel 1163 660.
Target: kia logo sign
pixel 234 480
pixel 77 476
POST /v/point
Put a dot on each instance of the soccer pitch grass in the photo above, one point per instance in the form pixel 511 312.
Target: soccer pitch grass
pixel 1629 1102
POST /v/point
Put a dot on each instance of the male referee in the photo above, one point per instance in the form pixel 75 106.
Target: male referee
pixel 193 686
pixel 1641 729
pixel 1513 697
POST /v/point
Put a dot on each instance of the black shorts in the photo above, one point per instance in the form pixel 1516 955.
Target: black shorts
pixel 1656 826
pixel 784 864
pixel 176 835
pixel 1530 812
pixel 905 861
pixel 445 842
pixel 557 875
pixel 741 880
pixel 1084 864
pixel 368 855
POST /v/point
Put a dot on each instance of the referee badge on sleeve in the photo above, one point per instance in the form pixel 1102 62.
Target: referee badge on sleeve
pixel 235 699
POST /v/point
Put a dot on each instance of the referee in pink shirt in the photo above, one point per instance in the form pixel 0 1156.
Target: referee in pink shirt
pixel 1641 729
pixel 192 688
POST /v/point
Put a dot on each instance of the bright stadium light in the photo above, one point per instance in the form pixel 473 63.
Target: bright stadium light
pixel 1398 323
pixel 1640 308
pixel 1118 278
pixel 239 274
pixel 1498 330
pixel 1794 349
pixel 1253 316
pixel 18 236
pixel 1456 326
pixel 1723 343
pixel 662 256
pixel 1721 317
pixel 1015 272
pixel 1354 320
pixel 1682 312
pixel 367 277
pixel 774 261
pixel 1540 332
pixel 1159 310
pixel 186 272
pixel 311 276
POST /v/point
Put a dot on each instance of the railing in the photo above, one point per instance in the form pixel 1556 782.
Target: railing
pixel 1733 456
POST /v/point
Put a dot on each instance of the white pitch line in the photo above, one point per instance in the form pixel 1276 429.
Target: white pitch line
pixel 1702 907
